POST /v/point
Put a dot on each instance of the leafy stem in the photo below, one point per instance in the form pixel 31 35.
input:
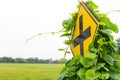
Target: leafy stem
pixel 43 34
pixel 112 11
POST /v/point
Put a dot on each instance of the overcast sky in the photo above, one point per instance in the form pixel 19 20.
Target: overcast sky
pixel 21 19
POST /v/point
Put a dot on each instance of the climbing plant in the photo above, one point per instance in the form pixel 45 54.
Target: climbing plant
pixel 102 62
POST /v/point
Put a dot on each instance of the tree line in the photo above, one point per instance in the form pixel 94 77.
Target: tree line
pixel 30 60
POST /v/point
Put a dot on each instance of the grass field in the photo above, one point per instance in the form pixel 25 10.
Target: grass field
pixel 30 71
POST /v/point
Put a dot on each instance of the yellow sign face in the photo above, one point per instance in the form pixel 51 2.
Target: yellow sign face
pixel 84 31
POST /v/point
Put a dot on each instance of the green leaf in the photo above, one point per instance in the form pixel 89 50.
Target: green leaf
pixel 61 49
pixel 92 48
pixel 92 7
pixel 117 64
pixel 81 73
pixel 69 24
pixel 117 56
pixel 71 71
pixel 114 75
pixel 61 76
pixel 68 52
pixel 108 33
pixel 119 69
pixel 67 42
pixel 75 61
pixel 91 55
pixel 104 75
pixel 68 72
pixel 97 75
pixel 113 68
pixel 99 66
pixel 90 74
pixel 103 51
pixel 102 23
pixel 106 68
pixel 114 27
pixel 69 63
pixel 74 14
pixel 101 41
pixel 109 59
pixel 65 23
pixel 65 34
pixel 87 62
pixel 109 24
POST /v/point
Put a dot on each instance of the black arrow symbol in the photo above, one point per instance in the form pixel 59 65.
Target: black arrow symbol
pixel 83 35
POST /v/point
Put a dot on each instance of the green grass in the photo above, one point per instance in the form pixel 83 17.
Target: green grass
pixel 30 71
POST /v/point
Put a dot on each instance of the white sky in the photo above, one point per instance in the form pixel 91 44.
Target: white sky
pixel 21 19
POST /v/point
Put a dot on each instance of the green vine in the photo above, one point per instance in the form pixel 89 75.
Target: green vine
pixel 102 62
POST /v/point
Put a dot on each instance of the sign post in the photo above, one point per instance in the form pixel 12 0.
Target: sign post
pixel 84 31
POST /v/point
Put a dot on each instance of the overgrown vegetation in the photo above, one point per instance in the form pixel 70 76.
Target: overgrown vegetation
pixel 103 61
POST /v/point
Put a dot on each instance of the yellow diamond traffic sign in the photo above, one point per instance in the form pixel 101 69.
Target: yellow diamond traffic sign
pixel 84 31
